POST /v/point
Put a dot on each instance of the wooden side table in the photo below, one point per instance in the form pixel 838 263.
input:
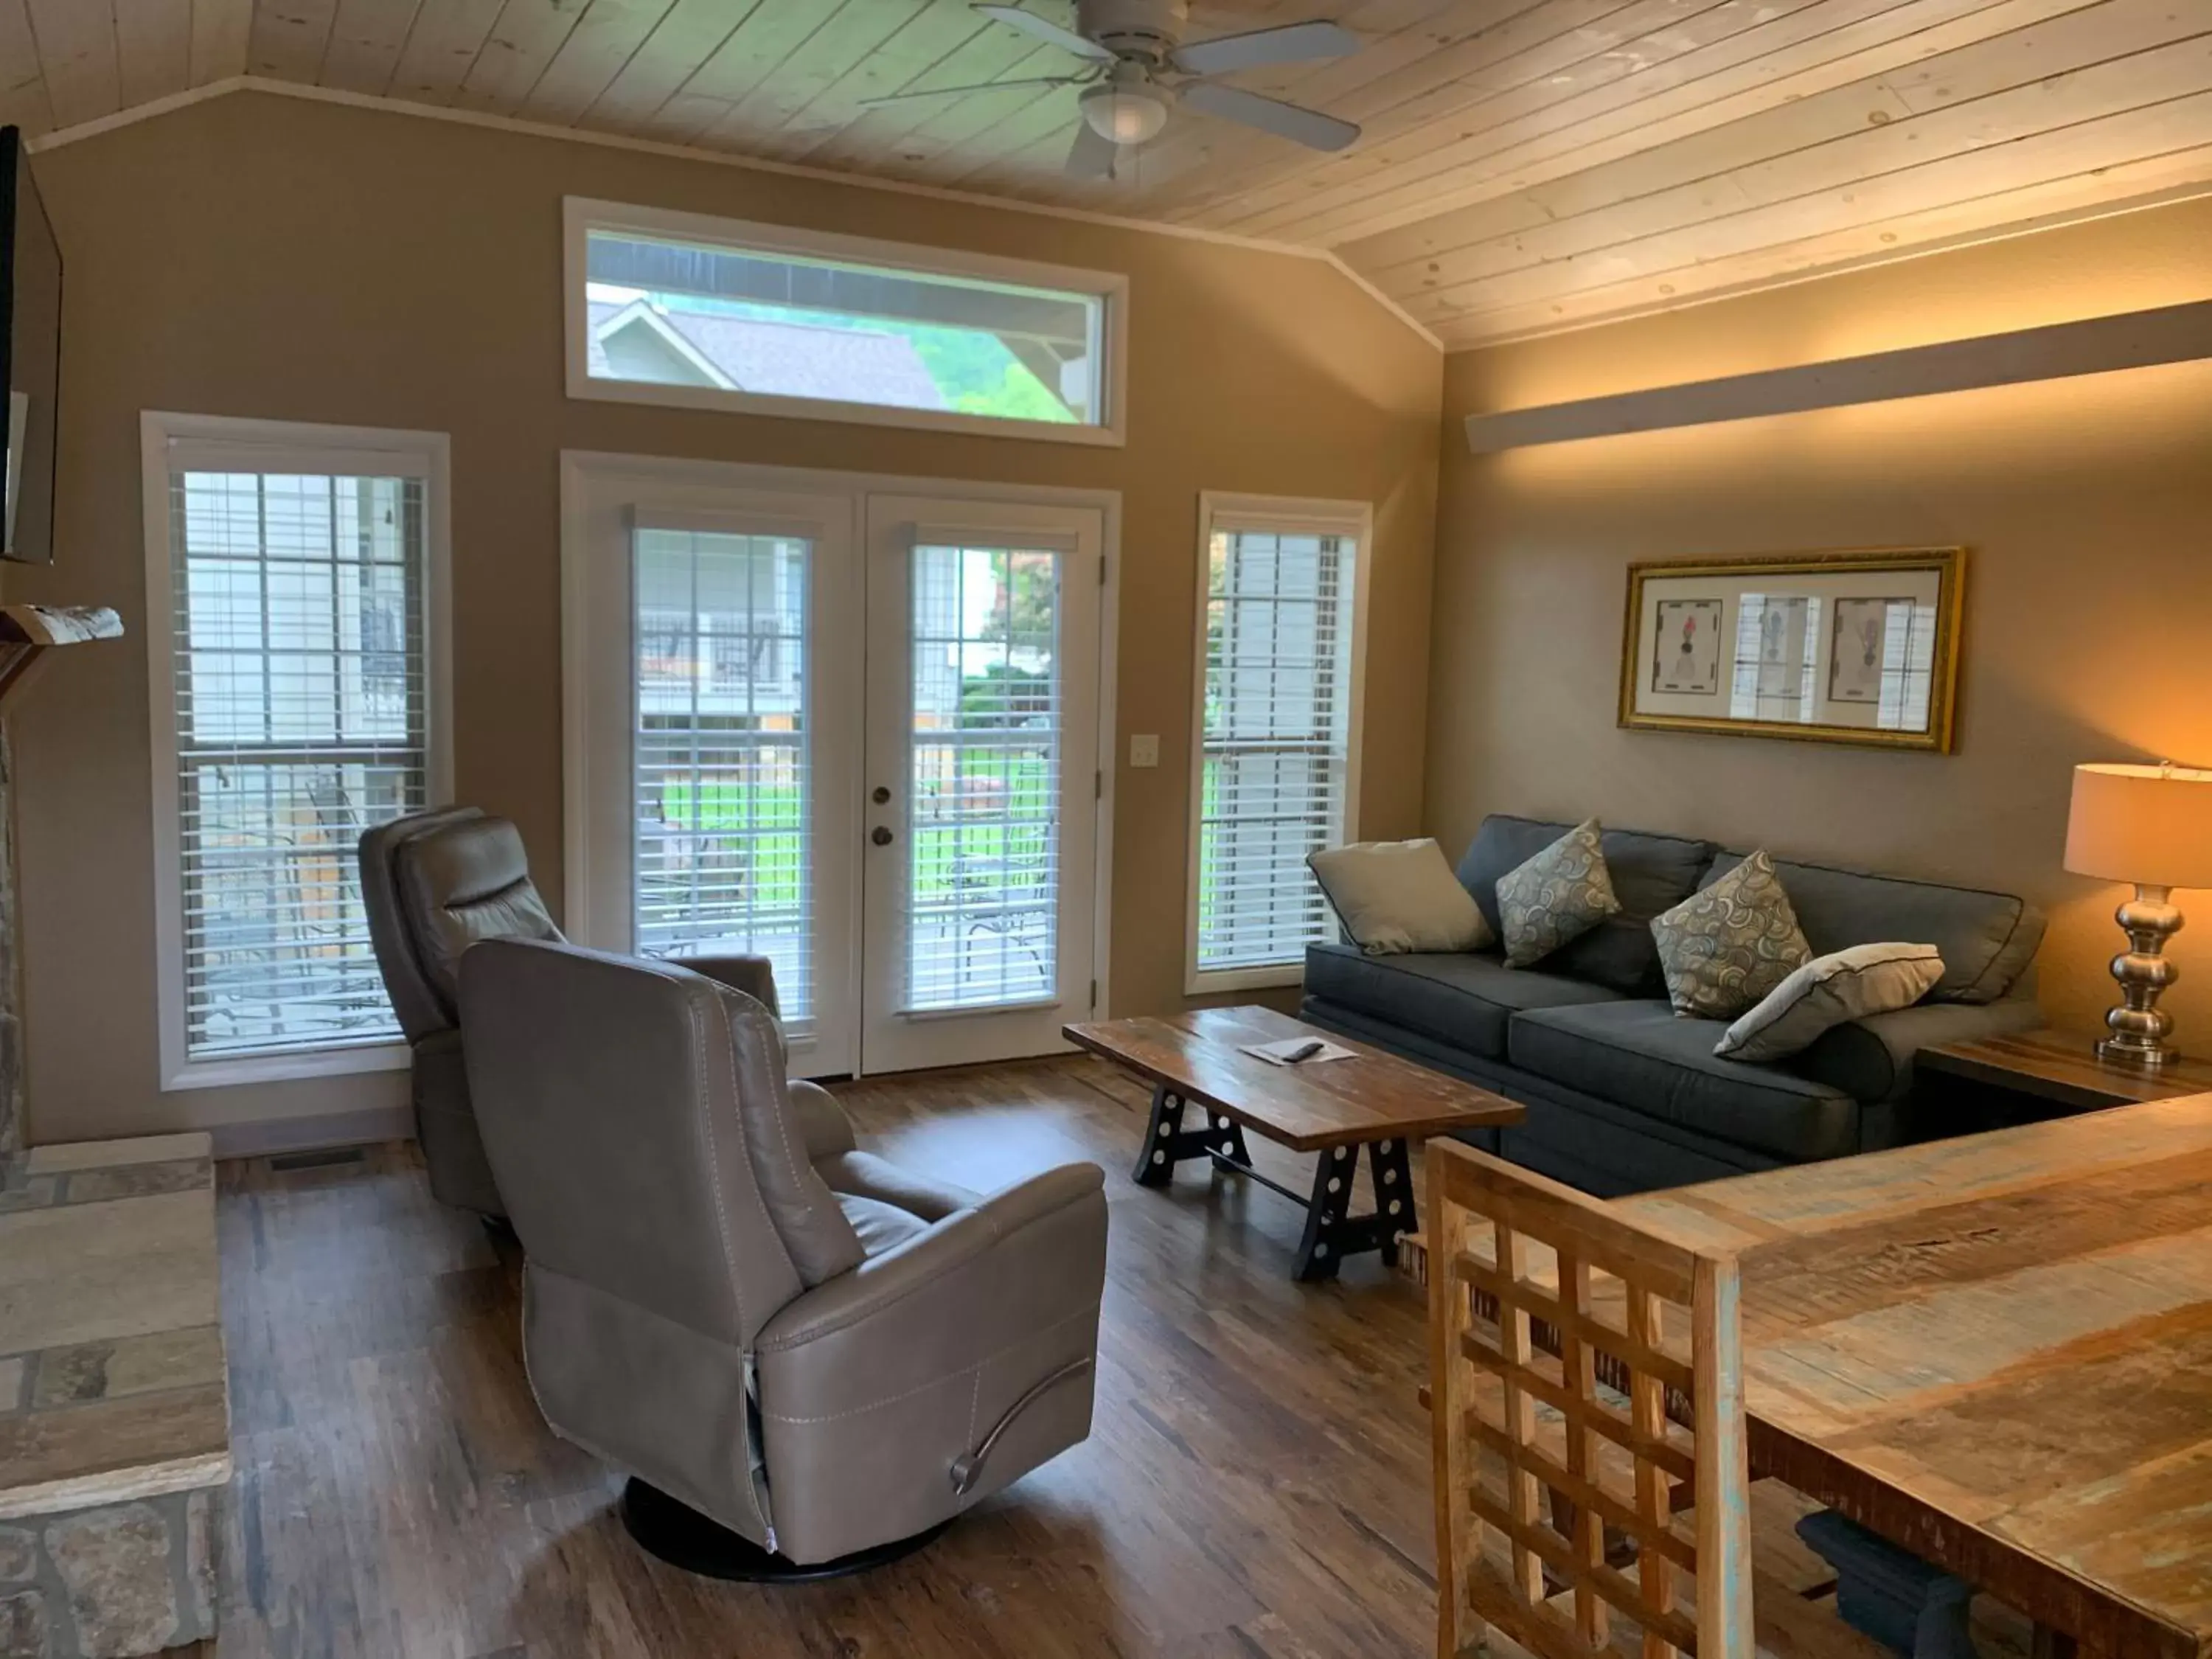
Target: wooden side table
pixel 2005 1080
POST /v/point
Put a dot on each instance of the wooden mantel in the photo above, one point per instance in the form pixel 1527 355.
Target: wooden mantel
pixel 29 632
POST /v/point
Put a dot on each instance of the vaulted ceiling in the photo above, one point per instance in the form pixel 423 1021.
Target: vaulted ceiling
pixel 1527 165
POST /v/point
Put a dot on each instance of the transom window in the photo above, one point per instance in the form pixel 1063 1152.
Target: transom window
pixel 293 571
pixel 1275 743
pixel 679 308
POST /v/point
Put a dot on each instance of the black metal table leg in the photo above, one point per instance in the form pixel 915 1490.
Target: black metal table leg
pixel 1323 1244
pixel 1156 1160
pixel 1332 1231
pixel 1390 1171
pixel 1167 1143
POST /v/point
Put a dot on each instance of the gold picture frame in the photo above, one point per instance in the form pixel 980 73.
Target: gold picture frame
pixel 1859 647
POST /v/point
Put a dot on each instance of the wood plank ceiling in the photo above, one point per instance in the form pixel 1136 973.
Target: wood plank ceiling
pixel 1527 165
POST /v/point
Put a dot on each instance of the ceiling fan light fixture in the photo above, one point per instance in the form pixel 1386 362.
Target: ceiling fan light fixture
pixel 1124 114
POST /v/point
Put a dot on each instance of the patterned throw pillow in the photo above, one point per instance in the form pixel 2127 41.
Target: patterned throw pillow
pixel 1725 948
pixel 1556 897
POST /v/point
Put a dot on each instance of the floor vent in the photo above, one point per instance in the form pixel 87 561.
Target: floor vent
pixel 327 1158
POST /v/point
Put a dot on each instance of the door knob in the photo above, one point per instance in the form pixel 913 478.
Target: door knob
pixel 880 795
pixel 881 836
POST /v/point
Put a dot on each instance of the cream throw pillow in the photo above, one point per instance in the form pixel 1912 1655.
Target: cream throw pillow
pixel 1394 896
pixel 1828 991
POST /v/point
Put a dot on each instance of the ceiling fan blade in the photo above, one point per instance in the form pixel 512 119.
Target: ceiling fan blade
pixel 1302 127
pixel 1293 43
pixel 1045 29
pixel 980 86
pixel 1091 155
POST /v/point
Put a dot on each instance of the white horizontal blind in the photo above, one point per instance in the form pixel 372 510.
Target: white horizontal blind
pixel 721 747
pixel 982 921
pixel 1276 740
pixel 299 651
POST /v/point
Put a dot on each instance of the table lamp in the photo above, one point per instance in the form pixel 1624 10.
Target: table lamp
pixel 2150 825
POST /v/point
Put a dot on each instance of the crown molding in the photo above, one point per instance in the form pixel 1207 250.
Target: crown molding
pixel 158 107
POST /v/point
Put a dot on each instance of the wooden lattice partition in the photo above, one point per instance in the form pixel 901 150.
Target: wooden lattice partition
pixel 1586 1379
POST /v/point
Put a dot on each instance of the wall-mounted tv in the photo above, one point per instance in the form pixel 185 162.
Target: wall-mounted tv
pixel 30 356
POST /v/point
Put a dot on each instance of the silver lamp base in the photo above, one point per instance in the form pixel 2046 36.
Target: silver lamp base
pixel 2139 1026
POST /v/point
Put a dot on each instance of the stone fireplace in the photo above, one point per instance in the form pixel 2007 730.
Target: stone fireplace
pixel 114 1402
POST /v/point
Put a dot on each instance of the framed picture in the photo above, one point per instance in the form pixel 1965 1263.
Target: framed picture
pixel 1687 656
pixel 1837 647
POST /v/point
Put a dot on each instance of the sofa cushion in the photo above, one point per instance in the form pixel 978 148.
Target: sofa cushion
pixel 1986 939
pixel 1642 1055
pixel 1463 999
pixel 1650 874
pixel 1554 898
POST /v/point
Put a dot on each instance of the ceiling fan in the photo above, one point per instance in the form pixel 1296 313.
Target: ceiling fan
pixel 1137 69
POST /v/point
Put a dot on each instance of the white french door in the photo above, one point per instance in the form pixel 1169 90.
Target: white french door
pixel 855 731
pixel 715 783
pixel 981 761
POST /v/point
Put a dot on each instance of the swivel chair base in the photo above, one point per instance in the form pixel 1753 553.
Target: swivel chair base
pixel 680 1535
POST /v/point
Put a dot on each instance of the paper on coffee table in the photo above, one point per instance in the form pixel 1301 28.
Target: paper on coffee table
pixel 1278 1053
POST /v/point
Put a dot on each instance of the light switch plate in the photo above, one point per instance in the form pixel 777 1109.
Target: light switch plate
pixel 1144 749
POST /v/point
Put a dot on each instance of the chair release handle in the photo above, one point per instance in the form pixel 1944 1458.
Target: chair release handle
pixel 968 1468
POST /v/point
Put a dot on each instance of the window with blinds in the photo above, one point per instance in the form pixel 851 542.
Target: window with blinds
pixel 1274 736
pixel 298 634
pixel 720 775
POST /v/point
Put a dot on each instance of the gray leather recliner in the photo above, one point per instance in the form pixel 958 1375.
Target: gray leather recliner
pixel 794 1340
pixel 434 884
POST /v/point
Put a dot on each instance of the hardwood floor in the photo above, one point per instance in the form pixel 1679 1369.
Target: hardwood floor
pixel 1256 1485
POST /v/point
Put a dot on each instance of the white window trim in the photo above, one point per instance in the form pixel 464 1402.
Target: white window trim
pixel 581 216
pixel 1353 519
pixel 265 445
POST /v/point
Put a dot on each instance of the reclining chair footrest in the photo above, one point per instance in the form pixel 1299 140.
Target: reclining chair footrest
pixel 678 1535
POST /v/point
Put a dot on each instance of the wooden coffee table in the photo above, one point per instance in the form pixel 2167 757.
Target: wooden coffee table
pixel 1333 1108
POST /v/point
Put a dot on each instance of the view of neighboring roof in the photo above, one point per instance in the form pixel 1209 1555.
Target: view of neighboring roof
pixel 784 360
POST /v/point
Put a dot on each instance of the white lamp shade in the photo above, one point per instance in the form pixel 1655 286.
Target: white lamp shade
pixel 1126 115
pixel 2151 826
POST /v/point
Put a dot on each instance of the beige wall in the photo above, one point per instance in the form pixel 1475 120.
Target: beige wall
pixel 260 256
pixel 2087 505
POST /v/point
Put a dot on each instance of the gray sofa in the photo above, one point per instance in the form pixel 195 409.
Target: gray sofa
pixel 1622 1095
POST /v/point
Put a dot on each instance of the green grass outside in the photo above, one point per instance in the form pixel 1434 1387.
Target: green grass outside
pixel 771 817
pixel 973 369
